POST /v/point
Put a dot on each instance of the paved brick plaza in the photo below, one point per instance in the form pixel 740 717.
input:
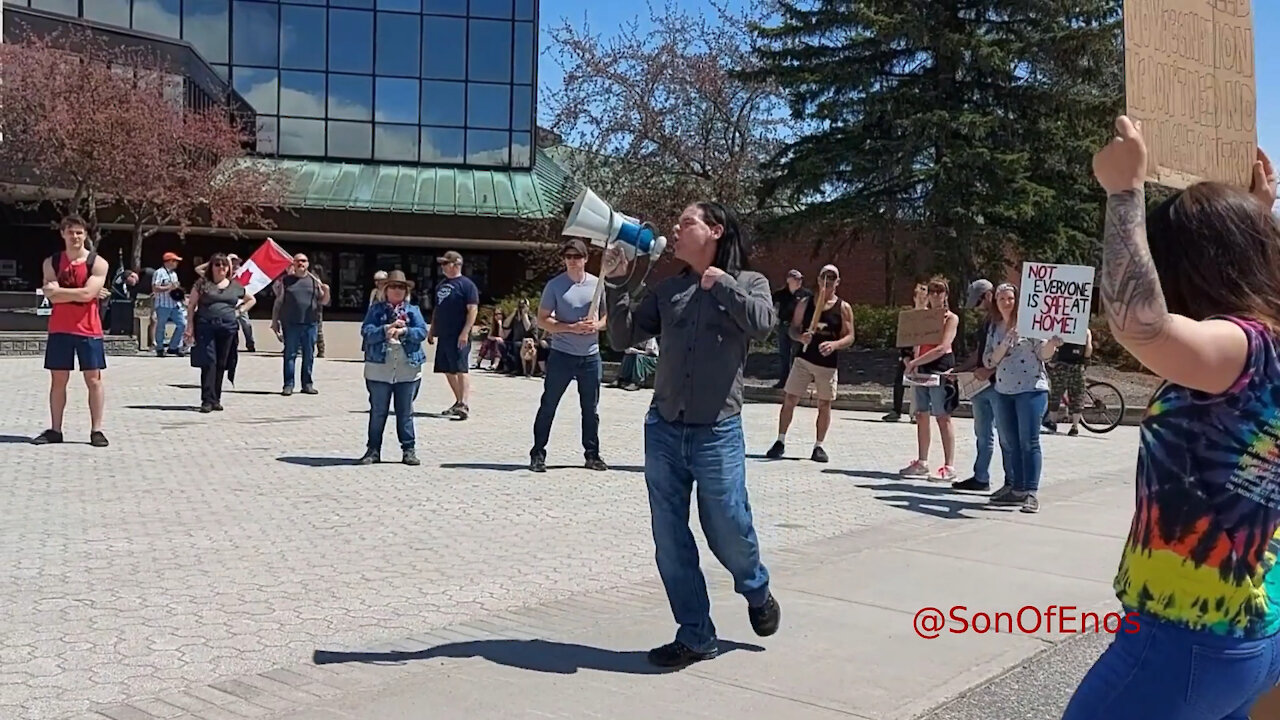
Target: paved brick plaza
pixel 200 547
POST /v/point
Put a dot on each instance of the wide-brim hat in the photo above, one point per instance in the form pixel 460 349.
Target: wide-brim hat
pixel 397 277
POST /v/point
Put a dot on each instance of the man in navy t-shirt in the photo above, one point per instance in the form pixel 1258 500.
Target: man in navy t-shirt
pixel 457 300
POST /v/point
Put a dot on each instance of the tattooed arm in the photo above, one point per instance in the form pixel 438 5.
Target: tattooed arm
pixel 1205 355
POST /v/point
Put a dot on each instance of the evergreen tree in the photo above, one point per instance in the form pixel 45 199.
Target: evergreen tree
pixel 970 121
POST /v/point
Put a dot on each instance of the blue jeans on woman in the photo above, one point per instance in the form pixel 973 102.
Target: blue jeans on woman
pixel 1018 422
pixel 381 396
pixel 713 457
pixel 1166 672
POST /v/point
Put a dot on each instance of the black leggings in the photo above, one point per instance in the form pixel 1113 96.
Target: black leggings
pixel 220 339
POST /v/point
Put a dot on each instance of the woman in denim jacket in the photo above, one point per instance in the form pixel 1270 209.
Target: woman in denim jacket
pixel 393 332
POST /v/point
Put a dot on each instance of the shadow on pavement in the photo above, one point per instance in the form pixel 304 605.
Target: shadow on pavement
pixel 868 475
pixel 938 501
pixel 761 456
pixel 166 408
pixel 318 461
pixel 15 439
pixel 537 655
pixel 514 467
pixel 182 386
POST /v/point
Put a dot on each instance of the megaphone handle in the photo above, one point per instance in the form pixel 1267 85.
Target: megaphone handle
pixel 593 313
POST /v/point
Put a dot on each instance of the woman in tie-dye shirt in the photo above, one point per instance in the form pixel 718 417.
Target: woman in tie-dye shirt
pixel 1193 292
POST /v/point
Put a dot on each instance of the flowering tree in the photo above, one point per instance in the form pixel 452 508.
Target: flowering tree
pixel 105 131
pixel 656 117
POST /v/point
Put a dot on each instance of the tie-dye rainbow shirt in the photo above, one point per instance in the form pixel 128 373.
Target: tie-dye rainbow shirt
pixel 1202 548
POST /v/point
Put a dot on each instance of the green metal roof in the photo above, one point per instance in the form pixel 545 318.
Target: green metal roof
pixel 536 193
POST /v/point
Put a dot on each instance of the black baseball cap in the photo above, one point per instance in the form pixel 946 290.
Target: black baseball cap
pixel 575 245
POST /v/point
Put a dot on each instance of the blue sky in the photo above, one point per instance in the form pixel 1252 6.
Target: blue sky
pixel 1266 25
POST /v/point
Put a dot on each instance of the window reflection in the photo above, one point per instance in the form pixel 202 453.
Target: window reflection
pixel 302 34
pixel 258 87
pixel 442 145
pixel 491 9
pixel 115 12
pixel 351 41
pixel 445 7
pixel 522 107
pixel 522 149
pixel 350 97
pixel 444 48
pixel 396 100
pixel 397 143
pixel 489 51
pixel 524 9
pixel 66 7
pixel 487 147
pixel 397 44
pixel 352 3
pixel 443 103
pixel 268 136
pixel 525 53
pixel 206 24
pixel 255 34
pixel 488 106
pixel 351 140
pixel 162 17
pixel 302 94
pixel 301 137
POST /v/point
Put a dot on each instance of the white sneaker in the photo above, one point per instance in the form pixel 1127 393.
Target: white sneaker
pixel 917 469
pixel 946 473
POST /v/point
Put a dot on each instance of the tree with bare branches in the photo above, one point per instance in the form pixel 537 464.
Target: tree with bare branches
pixel 654 116
pixel 105 131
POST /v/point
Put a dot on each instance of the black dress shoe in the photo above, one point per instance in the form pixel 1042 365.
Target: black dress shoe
pixel 538 464
pixel 206 407
pixel 596 464
pixel 765 619
pixel 48 437
pixel 677 654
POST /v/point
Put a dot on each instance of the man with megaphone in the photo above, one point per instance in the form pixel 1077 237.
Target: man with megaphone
pixel 705 317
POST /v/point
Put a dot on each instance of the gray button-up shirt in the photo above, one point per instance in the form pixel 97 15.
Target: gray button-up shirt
pixel 705 336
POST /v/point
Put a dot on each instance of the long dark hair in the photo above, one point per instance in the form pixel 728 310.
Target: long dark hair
pixel 733 246
pixel 207 280
pixel 1217 252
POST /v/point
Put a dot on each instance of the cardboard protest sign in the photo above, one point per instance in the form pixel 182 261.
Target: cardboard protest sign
pixel 1189 78
pixel 920 327
pixel 970 385
pixel 1055 300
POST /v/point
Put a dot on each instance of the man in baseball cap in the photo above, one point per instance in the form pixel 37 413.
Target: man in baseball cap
pixel 785 300
pixel 980 295
pixel 457 302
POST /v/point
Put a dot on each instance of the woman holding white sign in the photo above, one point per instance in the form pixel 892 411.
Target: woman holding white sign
pixel 1193 292
pixel 1023 387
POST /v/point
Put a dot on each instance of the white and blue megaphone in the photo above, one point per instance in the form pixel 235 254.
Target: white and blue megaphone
pixel 593 219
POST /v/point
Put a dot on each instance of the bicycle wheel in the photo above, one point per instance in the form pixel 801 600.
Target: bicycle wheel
pixel 1103 407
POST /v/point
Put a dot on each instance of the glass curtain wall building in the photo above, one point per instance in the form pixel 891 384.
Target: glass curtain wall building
pixel 439 82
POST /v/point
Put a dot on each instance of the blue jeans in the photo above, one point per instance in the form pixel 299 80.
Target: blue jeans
pixel 299 338
pixel 984 426
pixel 676 457
pixel 381 395
pixel 164 316
pixel 1167 672
pixel 784 351
pixel 563 368
pixel 1018 422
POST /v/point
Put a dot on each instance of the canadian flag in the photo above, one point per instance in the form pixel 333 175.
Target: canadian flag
pixel 266 264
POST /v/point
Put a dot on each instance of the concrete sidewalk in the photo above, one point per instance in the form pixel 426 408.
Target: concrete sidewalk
pixel 847 647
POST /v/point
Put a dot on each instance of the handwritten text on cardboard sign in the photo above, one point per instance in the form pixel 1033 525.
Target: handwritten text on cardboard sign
pixel 1056 299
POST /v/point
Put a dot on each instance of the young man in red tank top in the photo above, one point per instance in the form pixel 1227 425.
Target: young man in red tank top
pixel 75 329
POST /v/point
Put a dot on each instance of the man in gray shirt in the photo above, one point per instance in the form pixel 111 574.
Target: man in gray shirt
pixel 295 317
pixel 705 318
pixel 575 355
